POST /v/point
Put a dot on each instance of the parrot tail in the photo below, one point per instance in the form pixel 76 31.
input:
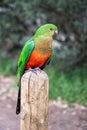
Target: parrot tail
pixel 18 100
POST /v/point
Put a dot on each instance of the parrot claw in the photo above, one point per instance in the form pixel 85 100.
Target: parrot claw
pixel 37 68
pixel 34 70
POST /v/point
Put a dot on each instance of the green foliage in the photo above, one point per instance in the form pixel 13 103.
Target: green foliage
pixel 66 56
pixel 70 85
pixel 7 66
pixel 16 17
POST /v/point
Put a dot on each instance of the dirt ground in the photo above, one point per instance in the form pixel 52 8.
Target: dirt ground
pixel 61 115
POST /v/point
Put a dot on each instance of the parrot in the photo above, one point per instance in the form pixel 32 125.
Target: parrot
pixel 36 53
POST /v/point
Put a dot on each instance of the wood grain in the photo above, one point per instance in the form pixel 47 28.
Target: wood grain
pixel 34 101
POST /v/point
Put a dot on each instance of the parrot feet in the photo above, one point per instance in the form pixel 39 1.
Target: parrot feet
pixel 34 70
pixel 37 68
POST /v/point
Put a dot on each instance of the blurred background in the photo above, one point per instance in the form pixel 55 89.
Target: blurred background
pixel 68 70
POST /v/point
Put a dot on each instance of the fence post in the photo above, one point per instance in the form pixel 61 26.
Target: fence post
pixel 34 101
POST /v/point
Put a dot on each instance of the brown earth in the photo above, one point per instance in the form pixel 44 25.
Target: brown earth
pixel 61 115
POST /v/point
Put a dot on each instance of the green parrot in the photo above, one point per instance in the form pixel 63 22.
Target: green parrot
pixel 36 53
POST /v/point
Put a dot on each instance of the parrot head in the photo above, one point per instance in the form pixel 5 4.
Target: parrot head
pixel 47 29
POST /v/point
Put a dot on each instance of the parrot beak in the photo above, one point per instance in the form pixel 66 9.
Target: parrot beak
pixel 55 32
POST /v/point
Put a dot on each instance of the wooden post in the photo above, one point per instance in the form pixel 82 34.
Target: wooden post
pixel 34 101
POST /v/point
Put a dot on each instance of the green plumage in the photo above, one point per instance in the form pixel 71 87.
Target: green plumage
pixel 27 49
pixel 40 36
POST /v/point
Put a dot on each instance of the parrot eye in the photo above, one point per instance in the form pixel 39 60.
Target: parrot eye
pixel 51 29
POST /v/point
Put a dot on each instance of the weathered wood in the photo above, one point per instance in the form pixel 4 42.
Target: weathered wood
pixel 34 101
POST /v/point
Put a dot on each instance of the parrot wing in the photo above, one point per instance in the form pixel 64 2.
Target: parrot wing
pixel 27 49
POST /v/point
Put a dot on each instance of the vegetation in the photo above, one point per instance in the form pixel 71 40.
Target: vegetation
pixel 19 20
pixel 70 85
